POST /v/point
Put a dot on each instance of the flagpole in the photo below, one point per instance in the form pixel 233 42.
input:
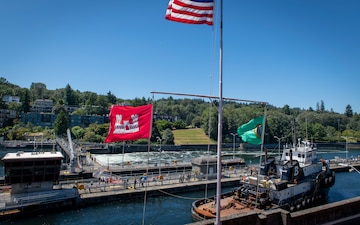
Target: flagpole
pixel 148 157
pixel 219 141
pixel 261 152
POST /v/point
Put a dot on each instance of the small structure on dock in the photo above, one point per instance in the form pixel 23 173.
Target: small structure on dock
pixel 204 167
pixel 31 177
pixel 32 171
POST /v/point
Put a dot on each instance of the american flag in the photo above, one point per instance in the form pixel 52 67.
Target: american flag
pixel 191 11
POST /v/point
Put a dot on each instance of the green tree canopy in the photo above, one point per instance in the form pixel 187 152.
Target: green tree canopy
pixel 61 124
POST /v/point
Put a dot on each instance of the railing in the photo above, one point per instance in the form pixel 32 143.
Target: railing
pixel 16 201
pixel 107 182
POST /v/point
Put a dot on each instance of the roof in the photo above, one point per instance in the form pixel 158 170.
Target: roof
pixel 19 156
pixel 204 160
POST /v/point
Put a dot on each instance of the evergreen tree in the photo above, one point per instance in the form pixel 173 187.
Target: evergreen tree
pixel 286 109
pixel 111 98
pixel 69 95
pixel 348 111
pixel 25 101
pixel 322 106
pixel 61 123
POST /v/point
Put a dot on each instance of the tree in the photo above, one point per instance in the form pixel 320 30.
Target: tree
pixel 58 108
pixel 279 124
pixel 286 109
pixel 25 101
pixel 3 80
pixel 102 100
pixel 90 136
pixel 61 124
pixel 70 97
pixel 139 102
pixel 162 125
pixel 78 132
pixel 179 124
pixel 89 98
pixel 322 106
pixel 3 104
pixel 16 107
pixel 317 132
pixel 168 137
pixel 111 98
pixel 154 133
pixel 37 90
pixel 348 111
pixel 209 123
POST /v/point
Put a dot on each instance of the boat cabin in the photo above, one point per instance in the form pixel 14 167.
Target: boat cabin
pixel 304 153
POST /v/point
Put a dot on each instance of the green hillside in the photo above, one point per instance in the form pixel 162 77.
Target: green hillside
pixel 191 136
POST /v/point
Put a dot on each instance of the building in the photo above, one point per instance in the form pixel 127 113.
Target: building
pixel 85 121
pixel 48 119
pixel 9 98
pixel 71 108
pixel 39 119
pixel 42 105
pixel 205 167
pixel 164 117
pixel 6 115
pixel 32 171
pixel 33 177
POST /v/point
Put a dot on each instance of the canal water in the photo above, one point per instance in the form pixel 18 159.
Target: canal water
pixel 168 210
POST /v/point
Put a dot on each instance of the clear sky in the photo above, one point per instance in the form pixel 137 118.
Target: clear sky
pixel 279 51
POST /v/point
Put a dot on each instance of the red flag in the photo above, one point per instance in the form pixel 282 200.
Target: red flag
pixel 191 11
pixel 129 123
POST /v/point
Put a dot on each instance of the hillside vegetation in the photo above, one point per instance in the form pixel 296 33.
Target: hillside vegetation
pixel 191 136
pixel 172 116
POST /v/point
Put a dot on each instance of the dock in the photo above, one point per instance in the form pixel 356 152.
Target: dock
pixel 94 191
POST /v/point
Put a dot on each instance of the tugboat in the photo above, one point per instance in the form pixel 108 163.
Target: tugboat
pixel 296 181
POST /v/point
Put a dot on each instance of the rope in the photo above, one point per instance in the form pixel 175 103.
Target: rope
pixel 178 196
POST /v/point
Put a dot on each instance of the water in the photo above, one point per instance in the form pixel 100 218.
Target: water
pixel 168 210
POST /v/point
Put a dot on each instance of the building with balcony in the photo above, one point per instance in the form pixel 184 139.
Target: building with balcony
pixel 42 105
pixel 48 119
pixel 6 115
pixel 10 98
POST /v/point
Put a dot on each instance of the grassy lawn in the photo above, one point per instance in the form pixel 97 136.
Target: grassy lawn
pixel 191 136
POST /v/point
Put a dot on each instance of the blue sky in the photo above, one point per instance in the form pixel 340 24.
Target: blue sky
pixel 283 52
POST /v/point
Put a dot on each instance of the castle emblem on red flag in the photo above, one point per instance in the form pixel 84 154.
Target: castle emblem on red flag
pixel 126 126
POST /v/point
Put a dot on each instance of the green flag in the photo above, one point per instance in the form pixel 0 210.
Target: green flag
pixel 250 132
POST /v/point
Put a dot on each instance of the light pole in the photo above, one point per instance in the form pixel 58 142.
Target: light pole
pixel 233 143
pixel 346 147
pixel 159 139
pixel 279 139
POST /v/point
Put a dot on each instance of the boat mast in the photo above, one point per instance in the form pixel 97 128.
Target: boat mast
pixel 219 141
